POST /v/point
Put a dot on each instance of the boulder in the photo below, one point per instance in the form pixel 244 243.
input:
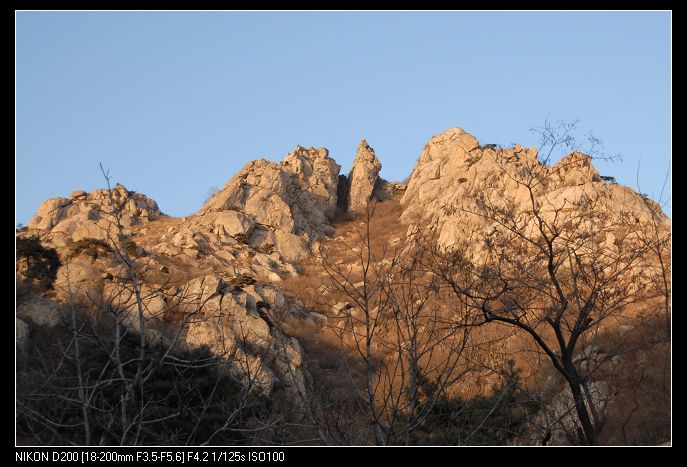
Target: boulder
pixel 291 247
pixel 234 223
pixel 575 169
pixel 49 213
pixel 155 337
pixel 40 311
pixel 210 333
pixel 255 353
pixel 78 194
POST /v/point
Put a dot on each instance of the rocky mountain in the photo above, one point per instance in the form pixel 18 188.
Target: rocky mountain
pixel 218 278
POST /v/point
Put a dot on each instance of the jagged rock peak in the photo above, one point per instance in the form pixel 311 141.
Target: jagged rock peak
pixel 292 199
pixel 316 173
pixel 363 177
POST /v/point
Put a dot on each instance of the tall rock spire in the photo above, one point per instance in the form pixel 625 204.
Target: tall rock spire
pixel 362 177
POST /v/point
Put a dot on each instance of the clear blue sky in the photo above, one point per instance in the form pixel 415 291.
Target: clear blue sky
pixel 175 103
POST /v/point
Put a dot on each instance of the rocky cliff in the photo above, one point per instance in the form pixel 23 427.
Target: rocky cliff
pixel 454 172
pixel 459 189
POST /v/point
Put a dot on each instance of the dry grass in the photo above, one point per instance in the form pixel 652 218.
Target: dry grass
pixel 153 230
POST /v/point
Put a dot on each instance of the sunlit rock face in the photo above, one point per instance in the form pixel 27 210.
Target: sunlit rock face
pixel 291 199
pixel 455 177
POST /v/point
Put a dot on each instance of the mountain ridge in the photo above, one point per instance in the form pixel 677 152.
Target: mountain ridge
pixel 227 277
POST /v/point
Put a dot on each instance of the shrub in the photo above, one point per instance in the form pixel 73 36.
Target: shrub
pixel 132 249
pixel 242 238
pixel 212 191
pixel 262 304
pixel 266 248
pixel 90 247
pixel 497 419
pixel 242 280
pixel 35 262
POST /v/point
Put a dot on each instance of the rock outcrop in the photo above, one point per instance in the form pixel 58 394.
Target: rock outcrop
pixel 363 177
pixel 229 322
pixel 455 177
pixel 201 266
pixel 213 268
pixel 90 215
